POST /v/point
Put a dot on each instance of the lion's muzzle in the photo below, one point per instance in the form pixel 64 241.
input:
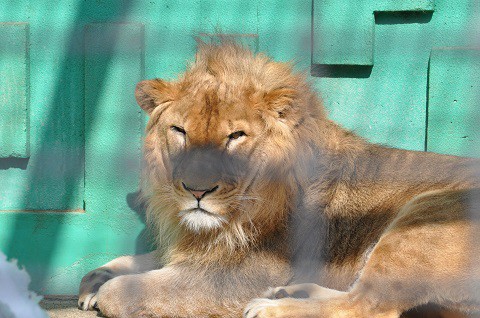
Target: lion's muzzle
pixel 206 170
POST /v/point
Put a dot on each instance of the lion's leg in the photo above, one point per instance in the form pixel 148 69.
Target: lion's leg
pixel 168 292
pixel 429 254
pixel 190 289
pixel 171 292
pixel 123 265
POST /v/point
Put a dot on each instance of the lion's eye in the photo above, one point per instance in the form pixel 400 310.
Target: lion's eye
pixel 236 135
pixel 178 129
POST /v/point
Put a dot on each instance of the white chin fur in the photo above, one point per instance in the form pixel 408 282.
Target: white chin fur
pixel 197 220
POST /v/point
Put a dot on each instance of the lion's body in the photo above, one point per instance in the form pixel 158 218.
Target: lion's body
pixel 249 186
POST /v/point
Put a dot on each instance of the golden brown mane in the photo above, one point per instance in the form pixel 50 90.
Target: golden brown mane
pixel 270 89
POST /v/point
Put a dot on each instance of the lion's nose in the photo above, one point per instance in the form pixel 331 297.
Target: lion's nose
pixel 199 194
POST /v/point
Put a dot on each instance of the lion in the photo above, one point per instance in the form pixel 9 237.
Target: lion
pixel 248 185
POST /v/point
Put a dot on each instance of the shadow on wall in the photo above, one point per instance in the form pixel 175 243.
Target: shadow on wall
pixel 144 241
pixel 16 163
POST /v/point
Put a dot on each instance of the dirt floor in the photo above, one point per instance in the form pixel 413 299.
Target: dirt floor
pixel 64 307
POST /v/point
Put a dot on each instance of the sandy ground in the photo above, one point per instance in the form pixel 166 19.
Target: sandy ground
pixel 65 307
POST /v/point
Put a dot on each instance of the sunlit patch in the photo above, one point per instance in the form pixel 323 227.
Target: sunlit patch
pixel 199 220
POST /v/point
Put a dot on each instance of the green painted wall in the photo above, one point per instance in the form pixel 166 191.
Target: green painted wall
pixel 402 73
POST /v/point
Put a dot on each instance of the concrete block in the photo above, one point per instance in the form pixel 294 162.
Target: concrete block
pixel 344 30
pixel 453 102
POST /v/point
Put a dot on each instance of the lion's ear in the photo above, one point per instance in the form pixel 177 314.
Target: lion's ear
pixel 152 93
pixel 281 100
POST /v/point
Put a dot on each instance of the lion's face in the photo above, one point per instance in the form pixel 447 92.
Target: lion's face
pixel 220 143
pixel 211 150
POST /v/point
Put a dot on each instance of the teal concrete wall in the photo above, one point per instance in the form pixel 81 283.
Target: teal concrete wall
pixel 401 73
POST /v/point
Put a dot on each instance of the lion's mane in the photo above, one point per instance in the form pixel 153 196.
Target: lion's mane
pixel 295 132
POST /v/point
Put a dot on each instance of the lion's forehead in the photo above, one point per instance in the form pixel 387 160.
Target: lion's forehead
pixel 212 126
pixel 209 116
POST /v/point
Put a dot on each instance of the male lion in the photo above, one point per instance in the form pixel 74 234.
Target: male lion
pixel 248 185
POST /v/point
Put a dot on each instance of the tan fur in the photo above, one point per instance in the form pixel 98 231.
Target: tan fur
pixel 289 197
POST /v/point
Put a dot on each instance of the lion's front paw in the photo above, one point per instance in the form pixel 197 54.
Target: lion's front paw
pixel 91 283
pixel 123 296
pixel 319 308
pixel 261 308
pixel 279 308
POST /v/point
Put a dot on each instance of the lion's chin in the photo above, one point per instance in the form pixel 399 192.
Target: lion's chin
pixel 198 220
